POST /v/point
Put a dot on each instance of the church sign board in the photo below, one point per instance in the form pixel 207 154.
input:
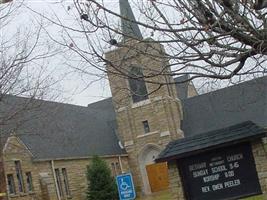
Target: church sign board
pixel 225 173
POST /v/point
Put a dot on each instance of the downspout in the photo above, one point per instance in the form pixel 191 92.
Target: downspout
pixel 55 179
pixel 122 171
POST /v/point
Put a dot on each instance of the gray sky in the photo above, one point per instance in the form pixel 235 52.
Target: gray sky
pixel 72 88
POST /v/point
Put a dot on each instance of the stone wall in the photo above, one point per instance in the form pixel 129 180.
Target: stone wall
pixel 15 150
pixel 149 57
pixel 162 110
pixel 175 181
pixel 163 116
pixel 43 176
pixel 260 156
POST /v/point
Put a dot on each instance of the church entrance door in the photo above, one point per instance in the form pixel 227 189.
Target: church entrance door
pixel 158 176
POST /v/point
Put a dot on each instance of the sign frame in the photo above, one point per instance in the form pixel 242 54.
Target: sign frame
pixel 186 180
pixel 129 186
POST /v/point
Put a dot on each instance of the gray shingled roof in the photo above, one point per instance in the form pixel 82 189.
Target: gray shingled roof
pixel 225 107
pixel 195 144
pixel 55 130
pixel 182 86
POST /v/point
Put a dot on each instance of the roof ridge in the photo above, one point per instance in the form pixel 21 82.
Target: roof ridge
pixel 228 87
pixel 102 100
pixel 54 102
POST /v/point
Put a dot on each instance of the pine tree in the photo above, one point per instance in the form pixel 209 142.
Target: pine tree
pixel 101 185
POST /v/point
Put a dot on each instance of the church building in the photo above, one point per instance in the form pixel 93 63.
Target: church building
pixel 152 127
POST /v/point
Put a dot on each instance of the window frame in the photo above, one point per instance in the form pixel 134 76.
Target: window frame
pixel 29 182
pixel 146 126
pixel 66 181
pixel 12 184
pixel 113 169
pixel 19 175
pixel 59 183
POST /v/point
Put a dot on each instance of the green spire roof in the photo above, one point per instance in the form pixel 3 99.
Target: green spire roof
pixel 129 27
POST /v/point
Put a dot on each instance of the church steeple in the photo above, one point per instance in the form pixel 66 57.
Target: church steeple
pixel 130 29
pixel 147 116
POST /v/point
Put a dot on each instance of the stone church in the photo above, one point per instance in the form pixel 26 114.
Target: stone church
pixel 142 129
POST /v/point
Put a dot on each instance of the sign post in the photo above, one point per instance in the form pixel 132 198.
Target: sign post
pixel 126 187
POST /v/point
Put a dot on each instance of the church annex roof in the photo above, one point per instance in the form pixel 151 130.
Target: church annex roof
pixel 246 101
pixel 58 131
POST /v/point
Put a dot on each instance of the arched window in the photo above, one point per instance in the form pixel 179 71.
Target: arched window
pixel 137 84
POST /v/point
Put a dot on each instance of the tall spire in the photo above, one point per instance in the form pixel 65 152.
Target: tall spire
pixel 129 27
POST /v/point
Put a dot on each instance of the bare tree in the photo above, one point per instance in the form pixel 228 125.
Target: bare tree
pixel 23 54
pixel 210 39
pixel 23 70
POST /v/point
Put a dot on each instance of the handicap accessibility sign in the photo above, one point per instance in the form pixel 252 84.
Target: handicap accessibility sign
pixel 126 186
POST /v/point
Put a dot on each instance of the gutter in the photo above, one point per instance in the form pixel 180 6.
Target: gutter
pixel 78 158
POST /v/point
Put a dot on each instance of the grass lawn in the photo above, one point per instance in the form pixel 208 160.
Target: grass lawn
pixel 259 197
pixel 165 195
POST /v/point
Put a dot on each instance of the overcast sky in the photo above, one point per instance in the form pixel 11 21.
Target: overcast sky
pixel 72 88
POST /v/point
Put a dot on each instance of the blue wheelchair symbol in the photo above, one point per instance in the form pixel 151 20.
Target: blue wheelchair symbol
pixel 126 187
